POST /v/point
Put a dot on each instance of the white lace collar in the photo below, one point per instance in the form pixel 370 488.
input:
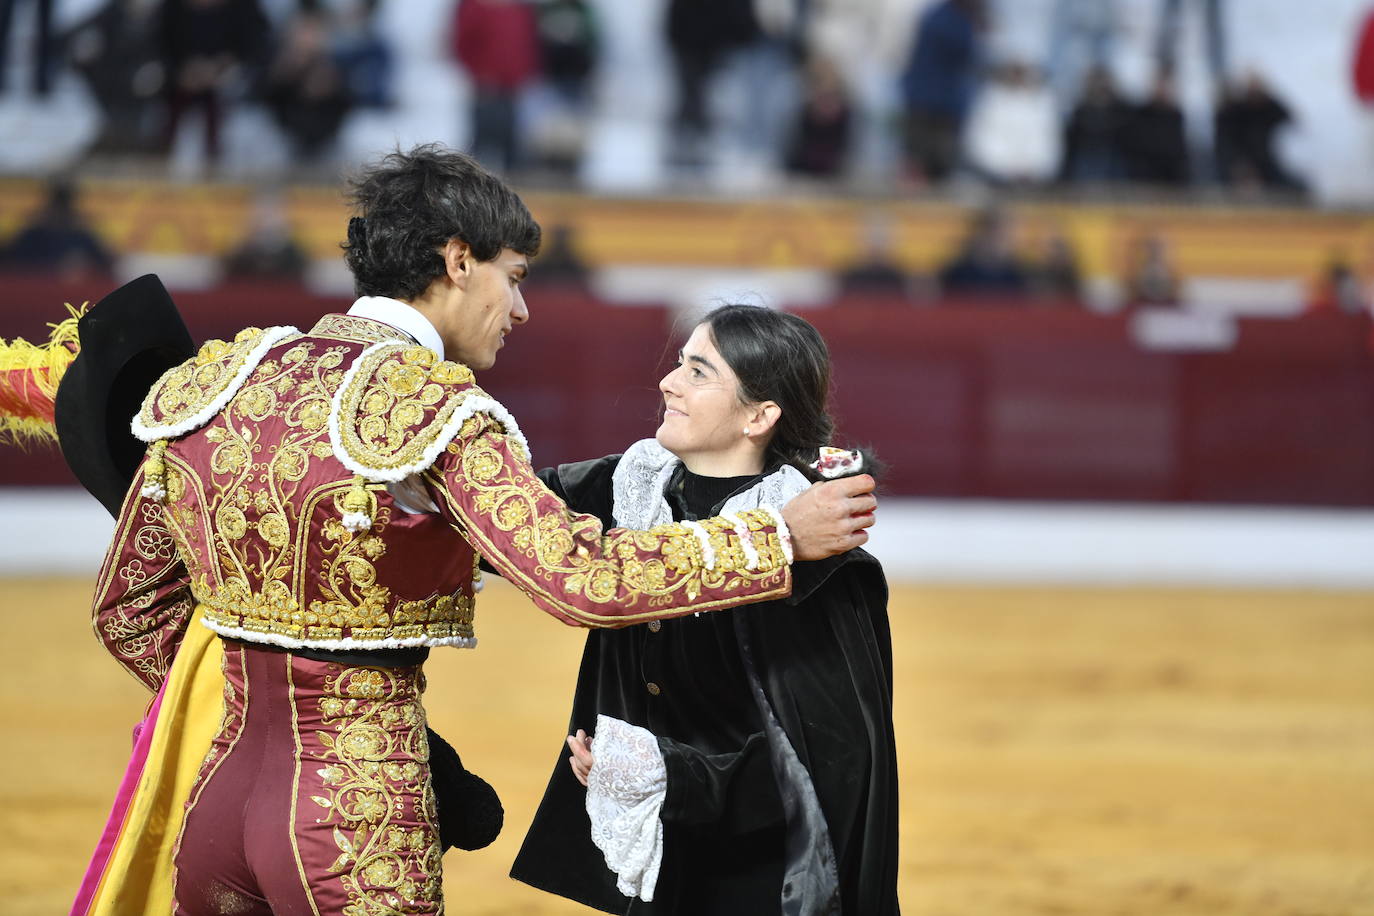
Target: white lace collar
pixel 642 476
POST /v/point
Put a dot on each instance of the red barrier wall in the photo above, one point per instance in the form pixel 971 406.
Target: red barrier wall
pixel 989 402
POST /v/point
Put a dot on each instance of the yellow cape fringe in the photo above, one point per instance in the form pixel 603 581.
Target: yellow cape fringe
pixel 29 376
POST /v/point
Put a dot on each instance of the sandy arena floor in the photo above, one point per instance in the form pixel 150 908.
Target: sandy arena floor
pixel 1066 752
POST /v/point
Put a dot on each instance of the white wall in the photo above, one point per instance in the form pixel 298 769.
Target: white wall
pixel 49 531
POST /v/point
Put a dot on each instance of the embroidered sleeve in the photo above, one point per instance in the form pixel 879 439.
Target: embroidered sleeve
pixel 143 596
pixel 581 574
pixel 625 791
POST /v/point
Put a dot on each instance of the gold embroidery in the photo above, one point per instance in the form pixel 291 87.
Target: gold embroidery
pixel 234 704
pixel 186 390
pixel 351 327
pixel 145 640
pixel 277 611
pixel 397 405
pixel 509 498
pixel 263 502
pixel 376 766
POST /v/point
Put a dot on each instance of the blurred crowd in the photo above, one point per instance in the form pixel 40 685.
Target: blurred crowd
pixel 997 262
pixel 764 87
pixel 1001 118
pixel 957 105
pixel 157 67
pixel 152 66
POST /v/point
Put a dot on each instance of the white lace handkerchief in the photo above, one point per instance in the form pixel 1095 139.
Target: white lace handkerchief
pixel 625 792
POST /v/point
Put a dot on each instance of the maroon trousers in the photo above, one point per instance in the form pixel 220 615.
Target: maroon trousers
pixel 315 797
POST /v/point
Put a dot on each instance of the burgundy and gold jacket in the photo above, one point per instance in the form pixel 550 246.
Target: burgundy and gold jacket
pixel 334 490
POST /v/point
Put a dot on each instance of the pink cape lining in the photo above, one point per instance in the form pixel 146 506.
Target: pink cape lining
pixel 119 812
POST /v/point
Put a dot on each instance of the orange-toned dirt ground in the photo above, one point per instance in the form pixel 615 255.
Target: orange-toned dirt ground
pixel 1063 751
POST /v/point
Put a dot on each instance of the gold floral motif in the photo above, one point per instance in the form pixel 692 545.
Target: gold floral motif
pixel 311 413
pixel 176 485
pixel 402 379
pixel 397 405
pixel 231 522
pixel 290 462
pixel 274 529
pixel 449 373
pixel 644 570
pixel 142 602
pixel 376 756
pixel 295 354
pixel 187 389
pixel 268 554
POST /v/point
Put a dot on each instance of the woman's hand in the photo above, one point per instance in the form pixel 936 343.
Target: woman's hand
pixel 830 518
pixel 581 759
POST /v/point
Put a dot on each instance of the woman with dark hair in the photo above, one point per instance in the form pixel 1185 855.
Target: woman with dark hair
pixel 740 762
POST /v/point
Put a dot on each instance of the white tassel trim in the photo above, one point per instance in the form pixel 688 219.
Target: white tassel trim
pixel 746 540
pixel 153 490
pixel 270 338
pixel 708 553
pixel 357 521
pixel 473 404
pixel 784 535
pixel 348 642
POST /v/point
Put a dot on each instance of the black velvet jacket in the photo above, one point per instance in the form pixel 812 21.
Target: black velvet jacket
pixel 775 723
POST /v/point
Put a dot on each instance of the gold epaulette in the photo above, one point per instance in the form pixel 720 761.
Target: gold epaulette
pixel 188 396
pixel 399 405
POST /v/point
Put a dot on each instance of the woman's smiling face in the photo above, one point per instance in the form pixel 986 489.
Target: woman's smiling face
pixel 702 413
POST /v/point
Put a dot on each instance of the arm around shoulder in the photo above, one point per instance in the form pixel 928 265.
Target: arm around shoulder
pixel 584 575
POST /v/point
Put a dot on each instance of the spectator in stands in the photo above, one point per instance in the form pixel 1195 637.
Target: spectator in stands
pixel 1168 41
pixel 939 83
pixel 304 88
pixel 820 136
pixel 497 42
pixel 1362 64
pixel 876 273
pixel 1155 142
pixel 569 47
pixel 42 53
pixel 209 49
pixel 116 52
pixel 1150 275
pixel 1093 135
pixel 762 86
pixel 267 252
pixel 1339 290
pixel 1053 276
pixel 1083 36
pixel 700 33
pixel 1013 132
pixel 56 239
pixel 1247 121
pixel 986 265
pixel 363 54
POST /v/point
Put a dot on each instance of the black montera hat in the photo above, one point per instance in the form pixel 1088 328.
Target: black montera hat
pixel 128 339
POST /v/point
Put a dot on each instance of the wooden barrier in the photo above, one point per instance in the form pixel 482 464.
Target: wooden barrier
pixel 994 401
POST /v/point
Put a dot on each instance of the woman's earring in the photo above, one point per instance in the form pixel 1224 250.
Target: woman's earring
pixel 746 430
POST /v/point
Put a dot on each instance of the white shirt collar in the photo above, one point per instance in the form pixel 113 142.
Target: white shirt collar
pixel 400 316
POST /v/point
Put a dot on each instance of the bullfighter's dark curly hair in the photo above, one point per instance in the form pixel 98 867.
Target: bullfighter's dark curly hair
pixel 408 206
